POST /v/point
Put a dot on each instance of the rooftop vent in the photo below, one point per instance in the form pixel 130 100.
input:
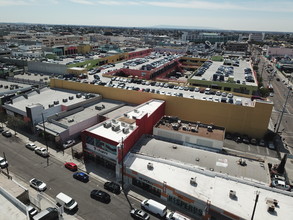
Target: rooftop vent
pixel 150 166
pixel 136 111
pixel 125 115
pixel 131 127
pixel 123 124
pixel 210 128
pixel 193 181
pixel 184 128
pixel 107 124
pixel 116 127
pixel 71 120
pixel 125 130
pixel 56 102
pixel 78 95
pixel 64 100
pixel 232 194
pixel 272 201
pixel 174 147
pixel 51 105
pixel 114 121
pixel 97 107
pixel 71 97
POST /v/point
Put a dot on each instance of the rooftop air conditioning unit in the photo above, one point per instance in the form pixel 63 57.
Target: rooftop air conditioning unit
pixel 232 194
pixel 51 105
pixel 210 128
pixel 136 111
pixel 133 117
pixel 107 124
pixel 71 120
pixel 150 166
pixel 64 100
pixel 71 97
pixel 174 147
pixel 193 129
pixel 97 107
pixel 123 124
pixel 78 95
pixel 184 128
pixel 125 130
pixel 115 127
pixel 271 207
pixel 272 201
pixel 114 121
pixel 56 102
pixel 125 115
pixel 193 181
pixel 131 127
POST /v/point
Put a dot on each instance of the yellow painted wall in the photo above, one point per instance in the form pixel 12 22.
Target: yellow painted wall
pixel 83 48
pixel 252 121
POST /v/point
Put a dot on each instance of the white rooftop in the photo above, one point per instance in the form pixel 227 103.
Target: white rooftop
pixel 122 126
pixel 214 188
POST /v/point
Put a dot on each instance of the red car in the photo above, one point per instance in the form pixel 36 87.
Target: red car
pixel 71 166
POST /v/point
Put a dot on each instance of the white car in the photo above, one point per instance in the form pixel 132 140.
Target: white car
pixel 3 163
pixel 42 151
pixel 30 146
pixel 230 95
pixel 68 143
pixel 38 184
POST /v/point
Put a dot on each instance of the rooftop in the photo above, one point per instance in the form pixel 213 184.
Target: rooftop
pixel 198 129
pixel 214 188
pixel 121 126
pixel 219 163
pixel 231 72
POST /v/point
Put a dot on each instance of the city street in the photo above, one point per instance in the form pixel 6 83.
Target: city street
pixel 25 164
pixel 280 94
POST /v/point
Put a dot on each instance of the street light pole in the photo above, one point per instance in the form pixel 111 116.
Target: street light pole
pixel 45 136
pixel 122 165
pixel 256 200
pixel 283 110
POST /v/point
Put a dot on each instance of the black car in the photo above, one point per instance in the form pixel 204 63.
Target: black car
pixel 112 187
pixel 245 139
pixel 228 136
pixel 100 196
pixel 6 134
pixel 237 138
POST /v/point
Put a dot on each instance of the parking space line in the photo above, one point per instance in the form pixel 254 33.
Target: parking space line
pixel 257 148
pixel 268 152
pixel 248 146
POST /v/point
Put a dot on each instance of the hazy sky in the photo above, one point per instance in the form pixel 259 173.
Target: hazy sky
pixel 259 15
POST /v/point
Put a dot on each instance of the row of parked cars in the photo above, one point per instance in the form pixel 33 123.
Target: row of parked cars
pixel 38 150
pixel 239 138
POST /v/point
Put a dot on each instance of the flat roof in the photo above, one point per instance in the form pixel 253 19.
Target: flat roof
pixel 220 163
pixel 238 72
pixel 122 126
pixel 45 97
pixel 7 87
pixel 213 188
pixel 192 128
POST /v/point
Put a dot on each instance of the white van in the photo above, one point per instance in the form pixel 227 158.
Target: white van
pixel 154 207
pixel 207 91
pixel 176 216
pixel 66 201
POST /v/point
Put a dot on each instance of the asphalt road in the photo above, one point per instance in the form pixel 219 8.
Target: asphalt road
pixel 279 98
pixel 26 164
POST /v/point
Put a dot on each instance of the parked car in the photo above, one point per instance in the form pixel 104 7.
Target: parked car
pixel 139 214
pixel 81 176
pixel 30 146
pixel 253 141
pixel 70 166
pixel 38 184
pixel 228 136
pixel 112 187
pixel 100 196
pixel 1 129
pixel 3 163
pixel 279 184
pixel 7 133
pixel 68 143
pixel 237 138
pixel 271 145
pixel 42 151
pixel 245 139
pixel 31 211
pixel 262 143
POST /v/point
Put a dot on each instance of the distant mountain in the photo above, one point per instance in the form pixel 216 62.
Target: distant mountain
pixel 183 27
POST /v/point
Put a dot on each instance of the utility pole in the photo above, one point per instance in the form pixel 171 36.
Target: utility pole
pixel 283 110
pixel 122 164
pixel 256 200
pixel 7 164
pixel 45 136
